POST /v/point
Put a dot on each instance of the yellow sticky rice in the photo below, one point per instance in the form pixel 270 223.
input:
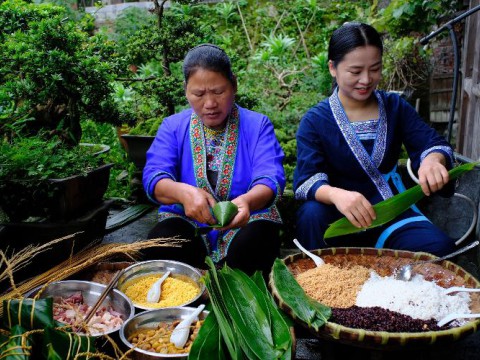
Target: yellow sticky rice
pixel 175 291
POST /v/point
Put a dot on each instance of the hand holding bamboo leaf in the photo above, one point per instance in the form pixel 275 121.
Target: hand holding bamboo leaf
pixel 224 212
pixel 389 209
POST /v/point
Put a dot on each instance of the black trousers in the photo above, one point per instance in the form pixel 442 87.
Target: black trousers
pixel 254 247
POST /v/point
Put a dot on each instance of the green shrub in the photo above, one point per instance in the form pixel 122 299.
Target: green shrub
pixel 54 72
pixel 38 158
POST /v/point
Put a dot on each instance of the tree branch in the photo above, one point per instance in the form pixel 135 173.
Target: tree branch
pixel 245 28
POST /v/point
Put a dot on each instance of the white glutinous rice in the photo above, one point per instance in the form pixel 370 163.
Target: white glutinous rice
pixel 417 298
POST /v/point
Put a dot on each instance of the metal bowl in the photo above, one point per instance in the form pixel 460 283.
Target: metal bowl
pixel 177 269
pixel 150 320
pixel 91 292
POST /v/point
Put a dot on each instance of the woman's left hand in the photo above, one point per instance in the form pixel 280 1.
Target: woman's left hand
pixel 243 214
pixel 256 198
pixel 433 174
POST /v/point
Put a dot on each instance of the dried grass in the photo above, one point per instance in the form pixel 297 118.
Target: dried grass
pixel 23 257
pixel 77 262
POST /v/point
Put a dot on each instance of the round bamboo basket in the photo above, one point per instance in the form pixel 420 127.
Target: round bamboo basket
pixel 384 261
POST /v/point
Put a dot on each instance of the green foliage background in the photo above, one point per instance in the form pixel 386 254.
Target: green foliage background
pixel 278 50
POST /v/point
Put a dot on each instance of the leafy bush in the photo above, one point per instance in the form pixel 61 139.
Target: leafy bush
pixel 28 166
pixel 123 171
pixel 155 51
pixel 53 71
pixel 38 158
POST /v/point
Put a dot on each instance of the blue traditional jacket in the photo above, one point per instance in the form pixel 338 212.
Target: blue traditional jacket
pixel 251 156
pixel 331 149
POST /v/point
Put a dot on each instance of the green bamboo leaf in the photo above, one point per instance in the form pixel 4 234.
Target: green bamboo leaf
pixel 247 316
pixel 389 209
pixel 224 212
pixel 259 295
pixel 252 318
pixel 208 343
pixel 59 344
pixel 279 322
pixel 221 313
pixel 18 346
pixel 291 293
pixel 29 313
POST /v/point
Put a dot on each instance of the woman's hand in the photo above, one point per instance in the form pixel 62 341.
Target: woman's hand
pixel 356 208
pixel 243 214
pixel 195 201
pixel 433 174
pixel 256 198
pixel 197 204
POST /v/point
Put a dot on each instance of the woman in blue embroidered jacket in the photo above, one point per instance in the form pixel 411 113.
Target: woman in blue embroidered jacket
pixel 348 146
pixel 216 151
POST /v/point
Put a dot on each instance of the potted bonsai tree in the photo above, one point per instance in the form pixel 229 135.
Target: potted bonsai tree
pixel 53 74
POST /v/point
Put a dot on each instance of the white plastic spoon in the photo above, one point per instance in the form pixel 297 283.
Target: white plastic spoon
pixel 155 291
pixel 452 317
pixel 180 334
pixel 316 259
pixel 459 288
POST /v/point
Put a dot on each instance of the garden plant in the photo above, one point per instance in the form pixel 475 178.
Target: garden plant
pixel 129 73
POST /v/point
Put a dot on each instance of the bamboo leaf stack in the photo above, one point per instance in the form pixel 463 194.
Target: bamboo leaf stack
pixel 244 322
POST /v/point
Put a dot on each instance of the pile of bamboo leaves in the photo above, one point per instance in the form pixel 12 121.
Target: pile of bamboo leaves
pixel 245 322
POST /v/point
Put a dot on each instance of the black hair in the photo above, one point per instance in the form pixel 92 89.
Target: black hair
pixel 208 57
pixel 350 36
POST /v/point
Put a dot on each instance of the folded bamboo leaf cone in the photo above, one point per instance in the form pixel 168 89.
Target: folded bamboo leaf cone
pixel 224 212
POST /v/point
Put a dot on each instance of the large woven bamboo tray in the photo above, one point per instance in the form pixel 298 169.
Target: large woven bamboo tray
pixel 384 261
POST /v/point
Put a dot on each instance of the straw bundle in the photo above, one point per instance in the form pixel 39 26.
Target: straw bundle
pixel 76 263
pixel 24 257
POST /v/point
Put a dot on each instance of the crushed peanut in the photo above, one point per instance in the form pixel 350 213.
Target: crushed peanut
pixel 334 286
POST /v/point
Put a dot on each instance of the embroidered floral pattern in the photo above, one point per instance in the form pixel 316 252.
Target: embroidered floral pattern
pixel 214 140
pixel 199 154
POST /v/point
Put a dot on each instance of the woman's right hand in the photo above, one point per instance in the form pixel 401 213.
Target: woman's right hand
pixel 356 208
pixel 195 201
pixel 197 204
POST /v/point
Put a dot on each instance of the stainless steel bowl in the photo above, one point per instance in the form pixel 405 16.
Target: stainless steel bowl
pixel 91 292
pixel 150 320
pixel 177 269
